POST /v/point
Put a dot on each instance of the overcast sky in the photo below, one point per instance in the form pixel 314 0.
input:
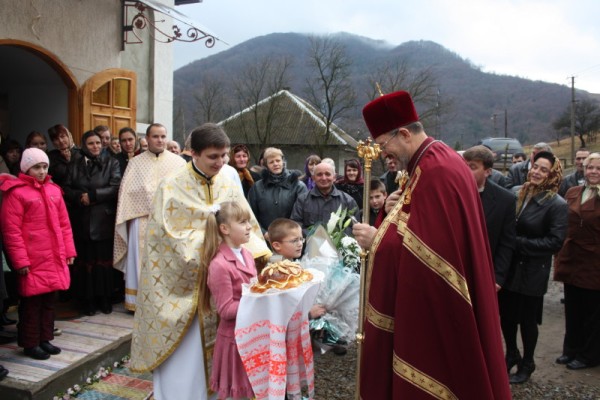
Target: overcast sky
pixel 548 40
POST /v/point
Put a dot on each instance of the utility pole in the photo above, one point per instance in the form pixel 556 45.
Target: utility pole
pixel 505 123
pixel 572 120
pixel 494 115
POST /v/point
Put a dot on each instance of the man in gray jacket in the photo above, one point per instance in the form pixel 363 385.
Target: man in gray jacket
pixel 317 205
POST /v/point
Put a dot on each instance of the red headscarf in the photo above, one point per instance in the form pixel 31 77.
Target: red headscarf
pixel 352 163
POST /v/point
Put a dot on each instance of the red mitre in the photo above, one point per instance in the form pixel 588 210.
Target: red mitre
pixel 389 112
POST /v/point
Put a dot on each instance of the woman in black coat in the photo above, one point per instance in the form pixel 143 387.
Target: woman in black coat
pixel 352 182
pixel 91 189
pixel 64 154
pixel 541 229
pixel 275 194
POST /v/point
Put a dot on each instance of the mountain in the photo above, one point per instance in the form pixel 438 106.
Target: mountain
pixel 473 96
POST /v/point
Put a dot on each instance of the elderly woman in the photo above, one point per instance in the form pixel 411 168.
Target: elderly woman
pixel 115 146
pixel 63 154
pixel 92 187
pixel 275 194
pixel 541 229
pixel 239 159
pixel 577 266
pixel 173 147
pixel 352 182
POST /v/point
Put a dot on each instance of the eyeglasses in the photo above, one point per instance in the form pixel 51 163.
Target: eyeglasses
pixel 295 241
pixel 382 146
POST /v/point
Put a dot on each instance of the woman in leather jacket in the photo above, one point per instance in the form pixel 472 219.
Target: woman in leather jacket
pixel 541 229
pixel 91 189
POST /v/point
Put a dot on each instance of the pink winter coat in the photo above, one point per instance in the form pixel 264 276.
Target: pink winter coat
pixel 37 233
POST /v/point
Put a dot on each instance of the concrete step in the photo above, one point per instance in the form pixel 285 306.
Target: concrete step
pixel 87 343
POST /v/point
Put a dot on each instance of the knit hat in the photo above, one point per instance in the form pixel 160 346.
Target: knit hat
pixel 388 112
pixel 31 157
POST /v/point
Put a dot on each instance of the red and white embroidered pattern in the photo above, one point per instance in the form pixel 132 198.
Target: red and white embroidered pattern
pixel 276 350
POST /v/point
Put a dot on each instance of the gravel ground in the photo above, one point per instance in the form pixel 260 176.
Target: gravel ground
pixel 335 379
pixel 335 376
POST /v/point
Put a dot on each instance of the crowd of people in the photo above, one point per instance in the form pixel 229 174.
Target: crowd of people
pixel 460 254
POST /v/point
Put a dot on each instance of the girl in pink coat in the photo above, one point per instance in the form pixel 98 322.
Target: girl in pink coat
pixel 230 266
pixel 38 240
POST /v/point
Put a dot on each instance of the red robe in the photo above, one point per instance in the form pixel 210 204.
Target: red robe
pixel 431 323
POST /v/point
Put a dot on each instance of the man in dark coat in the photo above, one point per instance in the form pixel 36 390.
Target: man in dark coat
pixel 576 178
pixel 499 209
pixel 389 176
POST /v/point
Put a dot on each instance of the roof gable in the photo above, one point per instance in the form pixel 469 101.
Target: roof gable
pixel 292 121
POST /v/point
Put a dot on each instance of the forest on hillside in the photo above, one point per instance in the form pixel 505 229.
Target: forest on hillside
pixel 458 102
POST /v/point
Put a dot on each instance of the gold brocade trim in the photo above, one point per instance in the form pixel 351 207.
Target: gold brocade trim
pixel 176 343
pixel 379 320
pixel 129 306
pixel 402 223
pixel 437 264
pixel 131 291
pixel 421 380
pixel 397 217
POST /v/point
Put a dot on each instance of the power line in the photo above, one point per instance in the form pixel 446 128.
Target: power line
pixel 586 70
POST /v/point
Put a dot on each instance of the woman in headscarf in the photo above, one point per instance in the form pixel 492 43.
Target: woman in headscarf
pixel 128 140
pixel 541 229
pixel 275 194
pixel 239 159
pixel 309 166
pixel 352 182
pixel 92 187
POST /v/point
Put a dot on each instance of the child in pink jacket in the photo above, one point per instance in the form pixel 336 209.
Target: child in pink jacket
pixel 38 240
pixel 230 266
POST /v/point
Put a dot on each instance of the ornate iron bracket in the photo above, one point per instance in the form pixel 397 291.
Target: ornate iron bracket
pixel 136 19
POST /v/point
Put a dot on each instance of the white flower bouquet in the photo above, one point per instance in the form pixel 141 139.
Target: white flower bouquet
pixel 339 292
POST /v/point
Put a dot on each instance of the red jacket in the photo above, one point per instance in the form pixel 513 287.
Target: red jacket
pixel 37 233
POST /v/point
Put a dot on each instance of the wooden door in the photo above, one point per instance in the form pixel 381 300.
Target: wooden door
pixel 109 98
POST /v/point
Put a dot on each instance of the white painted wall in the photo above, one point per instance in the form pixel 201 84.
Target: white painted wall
pixel 85 35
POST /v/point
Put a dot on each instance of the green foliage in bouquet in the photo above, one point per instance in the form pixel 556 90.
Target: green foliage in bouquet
pixel 346 245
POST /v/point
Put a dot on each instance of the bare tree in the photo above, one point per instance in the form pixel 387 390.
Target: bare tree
pixel 422 85
pixel 329 88
pixel 179 128
pixel 258 82
pixel 211 100
pixel 587 119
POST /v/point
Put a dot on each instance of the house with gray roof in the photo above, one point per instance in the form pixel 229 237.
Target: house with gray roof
pixel 288 122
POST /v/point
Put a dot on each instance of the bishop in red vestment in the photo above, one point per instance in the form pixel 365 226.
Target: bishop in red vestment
pixel 431 325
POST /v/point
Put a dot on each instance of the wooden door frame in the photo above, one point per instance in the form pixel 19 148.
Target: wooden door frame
pixel 99 79
pixel 65 74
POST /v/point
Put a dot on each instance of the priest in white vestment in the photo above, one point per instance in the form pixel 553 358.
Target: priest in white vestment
pixel 170 336
pixel 138 186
